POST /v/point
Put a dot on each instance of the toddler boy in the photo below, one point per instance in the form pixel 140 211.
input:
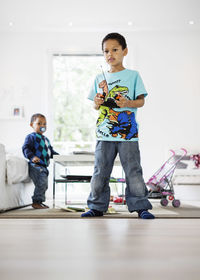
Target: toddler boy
pixel 38 150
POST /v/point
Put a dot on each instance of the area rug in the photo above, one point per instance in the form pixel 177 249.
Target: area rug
pixel 187 210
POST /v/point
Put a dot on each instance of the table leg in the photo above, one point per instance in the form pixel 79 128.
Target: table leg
pixel 54 183
pixel 66 171
pixel 123 193
pixel 66 193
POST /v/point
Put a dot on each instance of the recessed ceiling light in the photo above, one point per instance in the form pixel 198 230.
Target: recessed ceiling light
pixel 70 23
pixel 191 22
pixel 130 23
pixel 10 23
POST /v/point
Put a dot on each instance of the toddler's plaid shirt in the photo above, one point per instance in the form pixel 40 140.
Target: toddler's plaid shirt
pixel 38 145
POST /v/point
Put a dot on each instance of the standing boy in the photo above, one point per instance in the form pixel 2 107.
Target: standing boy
pixel 117 95
pixel 38 150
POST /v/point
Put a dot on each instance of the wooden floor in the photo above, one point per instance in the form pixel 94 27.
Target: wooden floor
pixel 100 249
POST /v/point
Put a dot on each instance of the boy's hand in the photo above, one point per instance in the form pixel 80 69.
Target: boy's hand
pixel 122 102
pixel 35 160
pixel 98 100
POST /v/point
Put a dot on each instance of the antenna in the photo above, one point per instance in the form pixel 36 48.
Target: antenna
pixel 104 94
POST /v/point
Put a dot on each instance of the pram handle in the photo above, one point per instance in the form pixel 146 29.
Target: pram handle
pixel 185 151
pixel 173 152
pixel 173 161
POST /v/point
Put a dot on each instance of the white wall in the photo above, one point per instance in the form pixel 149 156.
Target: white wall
pixel 168 63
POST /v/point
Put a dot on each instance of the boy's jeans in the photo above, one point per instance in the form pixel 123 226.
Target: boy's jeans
pixel 39 175
pixel 136 192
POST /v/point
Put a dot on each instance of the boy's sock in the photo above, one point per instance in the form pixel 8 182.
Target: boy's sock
pixel 144 214
pixel 92 213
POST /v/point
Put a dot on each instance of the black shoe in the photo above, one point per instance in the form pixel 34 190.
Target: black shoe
pixel 144 214
pixel 92 213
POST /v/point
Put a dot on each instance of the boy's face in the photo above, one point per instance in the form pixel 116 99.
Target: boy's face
pixel 113 52
pixel 39 125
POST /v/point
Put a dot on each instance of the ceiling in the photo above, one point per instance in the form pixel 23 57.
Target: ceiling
pixel 93 15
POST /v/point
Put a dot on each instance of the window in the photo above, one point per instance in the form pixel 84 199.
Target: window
pixel 74 116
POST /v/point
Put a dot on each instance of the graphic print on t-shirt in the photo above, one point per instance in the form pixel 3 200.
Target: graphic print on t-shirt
pixel 116 123
pixel 112 123
pixel 114 94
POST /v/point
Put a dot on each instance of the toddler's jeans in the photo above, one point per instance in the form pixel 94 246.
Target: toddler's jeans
pixel 39 175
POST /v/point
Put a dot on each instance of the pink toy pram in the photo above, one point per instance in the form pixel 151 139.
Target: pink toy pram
pixel 160 184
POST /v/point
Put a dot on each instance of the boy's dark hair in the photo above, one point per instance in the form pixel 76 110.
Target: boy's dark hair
pixel 35 116
pixel 115 36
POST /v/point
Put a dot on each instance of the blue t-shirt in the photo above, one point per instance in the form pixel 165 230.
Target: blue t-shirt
pixel 114 123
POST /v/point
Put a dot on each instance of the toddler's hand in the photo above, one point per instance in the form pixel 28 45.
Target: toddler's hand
pixel 35 160
pixel 122 102
pixel 98 100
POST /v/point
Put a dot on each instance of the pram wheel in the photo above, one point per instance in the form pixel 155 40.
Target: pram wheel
pixel 176 203
pixel 164 202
